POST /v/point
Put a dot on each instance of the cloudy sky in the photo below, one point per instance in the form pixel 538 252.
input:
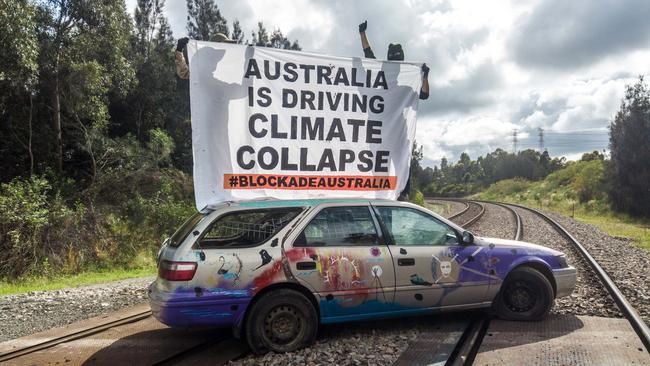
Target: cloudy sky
pixel 495 66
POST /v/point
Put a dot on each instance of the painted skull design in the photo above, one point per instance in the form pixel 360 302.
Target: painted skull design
pixel 445 268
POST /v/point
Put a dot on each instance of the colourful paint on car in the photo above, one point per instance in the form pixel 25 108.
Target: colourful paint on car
pixel 375 279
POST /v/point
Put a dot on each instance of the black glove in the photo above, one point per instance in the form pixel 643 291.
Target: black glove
pixel 425 70
pixel 363 26
pixel 181 44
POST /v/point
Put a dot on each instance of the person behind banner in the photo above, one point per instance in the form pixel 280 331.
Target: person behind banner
pixel 395 53
pixel 182 70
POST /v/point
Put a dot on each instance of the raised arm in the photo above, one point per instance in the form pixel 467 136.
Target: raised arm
pixel 424 91
pixel 182 70
pixel 367 51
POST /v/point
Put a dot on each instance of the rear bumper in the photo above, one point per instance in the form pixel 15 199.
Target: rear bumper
pixel 180 310
pixel 565 281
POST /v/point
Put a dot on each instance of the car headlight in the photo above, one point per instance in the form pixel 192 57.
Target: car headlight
pixel 561 261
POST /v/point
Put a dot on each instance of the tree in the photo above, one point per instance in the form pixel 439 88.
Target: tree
pixel 204 20
pixel 629 171
pixel 237 32
pixel 275 40
pixel 85 51
pixel 18 72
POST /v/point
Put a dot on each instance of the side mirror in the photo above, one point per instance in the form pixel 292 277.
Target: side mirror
pixel 468 238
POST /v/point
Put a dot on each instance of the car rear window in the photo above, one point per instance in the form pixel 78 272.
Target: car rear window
pixel 246 228
pixel 185 229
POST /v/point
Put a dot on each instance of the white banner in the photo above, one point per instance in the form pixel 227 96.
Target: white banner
pixel 287 124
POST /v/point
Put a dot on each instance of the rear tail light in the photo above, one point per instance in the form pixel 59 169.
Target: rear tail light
pixel 176 271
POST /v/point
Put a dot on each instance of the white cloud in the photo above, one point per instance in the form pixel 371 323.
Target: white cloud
pixel 495 65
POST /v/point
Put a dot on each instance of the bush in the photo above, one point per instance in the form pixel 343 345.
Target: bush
pixel 35 223
pixel 418 198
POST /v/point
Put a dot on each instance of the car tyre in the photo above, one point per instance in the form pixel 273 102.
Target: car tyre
pixel 526 294
pixel 282 320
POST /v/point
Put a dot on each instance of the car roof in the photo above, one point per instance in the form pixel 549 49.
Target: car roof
pixel 269 203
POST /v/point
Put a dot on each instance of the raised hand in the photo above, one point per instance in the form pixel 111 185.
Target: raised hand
pixel 425 70
pixel 181 44
pixel 363 26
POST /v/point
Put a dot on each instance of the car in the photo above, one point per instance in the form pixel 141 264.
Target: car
pixel 274 270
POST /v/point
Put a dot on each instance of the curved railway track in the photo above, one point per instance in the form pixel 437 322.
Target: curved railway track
pixel 470 214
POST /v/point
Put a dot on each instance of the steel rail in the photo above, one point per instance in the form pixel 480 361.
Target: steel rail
pixel 465 351
pixel 73 336
pixel 639 326
pixel 477 217
pixel 467 204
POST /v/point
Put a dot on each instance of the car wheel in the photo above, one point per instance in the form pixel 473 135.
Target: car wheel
pixel 526 294
pixel 281 321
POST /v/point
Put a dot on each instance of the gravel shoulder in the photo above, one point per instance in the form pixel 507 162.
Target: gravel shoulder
pixel 589 296
pixel 626 264
pixel 36 311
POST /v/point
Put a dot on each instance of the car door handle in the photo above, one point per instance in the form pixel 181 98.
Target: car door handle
pixel 405 261
pixel 305 265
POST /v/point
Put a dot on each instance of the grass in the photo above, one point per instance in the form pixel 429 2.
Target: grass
pixel 560 191
pixel 82 279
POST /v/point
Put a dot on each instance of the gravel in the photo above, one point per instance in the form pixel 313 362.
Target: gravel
pixel 36 311
pixel 366 343
pixel 496 222
pixel 589 296
pixel 627 265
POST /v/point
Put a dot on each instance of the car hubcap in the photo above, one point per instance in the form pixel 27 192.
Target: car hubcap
pixel 520 297
pixel 282 325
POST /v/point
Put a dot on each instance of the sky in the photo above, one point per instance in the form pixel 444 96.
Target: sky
pixel 496 66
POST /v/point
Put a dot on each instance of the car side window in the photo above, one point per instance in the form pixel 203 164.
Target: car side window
pixel 412 227
pixel 339 226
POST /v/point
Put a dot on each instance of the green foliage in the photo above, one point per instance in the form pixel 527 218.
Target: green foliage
pixel 18 61
pixel 418 198
pixel 204 20
pixel 578 190
pixel 97 132
pixel 580 182
pixel 629 171
pixel 34 223
pixel 469 176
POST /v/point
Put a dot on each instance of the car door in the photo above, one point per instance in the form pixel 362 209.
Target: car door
pixel 432 267
pixel 342 257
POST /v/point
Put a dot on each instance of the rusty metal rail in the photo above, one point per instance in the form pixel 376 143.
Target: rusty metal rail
pixel 468 205
pixel 639 326
pixel 470 342
pixel 73 336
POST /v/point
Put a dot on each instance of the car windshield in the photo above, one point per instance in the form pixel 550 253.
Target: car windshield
pixel 185 229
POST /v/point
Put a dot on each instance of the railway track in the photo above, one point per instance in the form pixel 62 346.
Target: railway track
pixel 635 320
pixel 633 317
pixel 6 356
pixel 182 354
pixel 467 216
